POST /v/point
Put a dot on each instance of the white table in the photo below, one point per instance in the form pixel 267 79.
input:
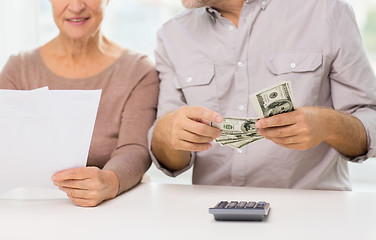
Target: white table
pixel 164 211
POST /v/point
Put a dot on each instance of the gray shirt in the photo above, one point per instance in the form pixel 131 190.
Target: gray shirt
pixel 204 60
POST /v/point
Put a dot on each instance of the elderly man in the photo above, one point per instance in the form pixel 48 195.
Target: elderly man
pixel 213 56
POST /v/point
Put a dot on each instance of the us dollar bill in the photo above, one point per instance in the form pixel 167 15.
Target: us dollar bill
pixel 237 132
pixel 244 142
pixel 234 126
pixel 274 100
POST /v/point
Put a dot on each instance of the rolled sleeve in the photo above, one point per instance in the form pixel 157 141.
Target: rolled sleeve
pixel 353 81
pixel 368 117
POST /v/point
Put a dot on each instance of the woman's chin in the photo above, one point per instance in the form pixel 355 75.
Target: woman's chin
pixel 76 36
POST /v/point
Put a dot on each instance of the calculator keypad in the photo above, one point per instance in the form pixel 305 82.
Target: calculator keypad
pixel 241 204
pixel 240 210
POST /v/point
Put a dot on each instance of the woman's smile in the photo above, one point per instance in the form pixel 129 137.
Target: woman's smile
pixel 78 20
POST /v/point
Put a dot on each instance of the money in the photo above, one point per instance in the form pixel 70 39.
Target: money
pixel 273 101
pixel 239 132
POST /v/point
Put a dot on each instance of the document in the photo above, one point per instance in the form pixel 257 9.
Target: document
pixel 42 132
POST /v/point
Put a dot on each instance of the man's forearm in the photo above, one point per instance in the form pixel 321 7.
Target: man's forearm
pixel 171 159
pixel 346 133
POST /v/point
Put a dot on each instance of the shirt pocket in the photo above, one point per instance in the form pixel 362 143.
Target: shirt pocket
pixel 293 62
pixel 198 85
pixel 303 68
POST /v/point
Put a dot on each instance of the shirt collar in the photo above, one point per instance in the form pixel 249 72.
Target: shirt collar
pixel 214 14
pixel 263 3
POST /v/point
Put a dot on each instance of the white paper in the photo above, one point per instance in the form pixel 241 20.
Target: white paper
pixel 42 132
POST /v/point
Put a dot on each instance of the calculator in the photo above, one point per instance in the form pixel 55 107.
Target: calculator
pixel 240 211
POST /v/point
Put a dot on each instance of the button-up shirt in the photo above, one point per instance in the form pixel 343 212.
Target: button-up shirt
pixel 205 60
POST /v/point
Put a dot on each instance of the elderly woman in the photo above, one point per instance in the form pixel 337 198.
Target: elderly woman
pixel 80 57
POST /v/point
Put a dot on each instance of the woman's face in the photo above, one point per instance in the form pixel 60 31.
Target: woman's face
pixel 78 19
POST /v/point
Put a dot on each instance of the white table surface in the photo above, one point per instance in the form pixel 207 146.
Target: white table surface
pixel 166 211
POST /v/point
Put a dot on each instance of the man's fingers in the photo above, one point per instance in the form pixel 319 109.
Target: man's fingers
pixel 279 132
pixel 279 120
pixel 194 138
pixel 286 140
pixel 201 129
pixel 188 129
pixel 195 147
pixel 201 113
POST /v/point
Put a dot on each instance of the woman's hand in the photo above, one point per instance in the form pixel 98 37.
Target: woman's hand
pixel 87 186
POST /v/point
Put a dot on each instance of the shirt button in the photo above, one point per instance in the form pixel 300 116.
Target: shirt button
pixel 189 79
pixel 239 150
pixel 263 3
pixel 231 28
pixel 240 64
pixel 241 107
pixel 292 65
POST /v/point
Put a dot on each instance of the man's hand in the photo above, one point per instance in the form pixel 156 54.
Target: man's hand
pixel 301 129
pixel 188 129
pixel 87 186
pixel 178 133
pixel 306 127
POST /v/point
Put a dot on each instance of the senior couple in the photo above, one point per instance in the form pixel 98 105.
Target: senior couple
pixel 209 59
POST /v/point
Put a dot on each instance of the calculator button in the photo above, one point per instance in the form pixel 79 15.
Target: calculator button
pixel 241 204
pixel 232 204
pixel 222 204
pixel 260 205
pixel 250 205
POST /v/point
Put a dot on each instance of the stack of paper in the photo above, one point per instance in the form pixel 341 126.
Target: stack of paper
pixel 44 131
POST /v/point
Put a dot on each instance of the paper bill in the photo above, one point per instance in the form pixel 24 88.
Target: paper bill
pixel 245 142
pixel 273 101
pixel 234 126
pixel 237 132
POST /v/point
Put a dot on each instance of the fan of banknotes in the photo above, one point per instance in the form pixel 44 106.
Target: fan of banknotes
pixel 239 132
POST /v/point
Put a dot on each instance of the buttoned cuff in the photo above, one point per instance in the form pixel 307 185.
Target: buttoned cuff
pixel 161 167
pixel 368 117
